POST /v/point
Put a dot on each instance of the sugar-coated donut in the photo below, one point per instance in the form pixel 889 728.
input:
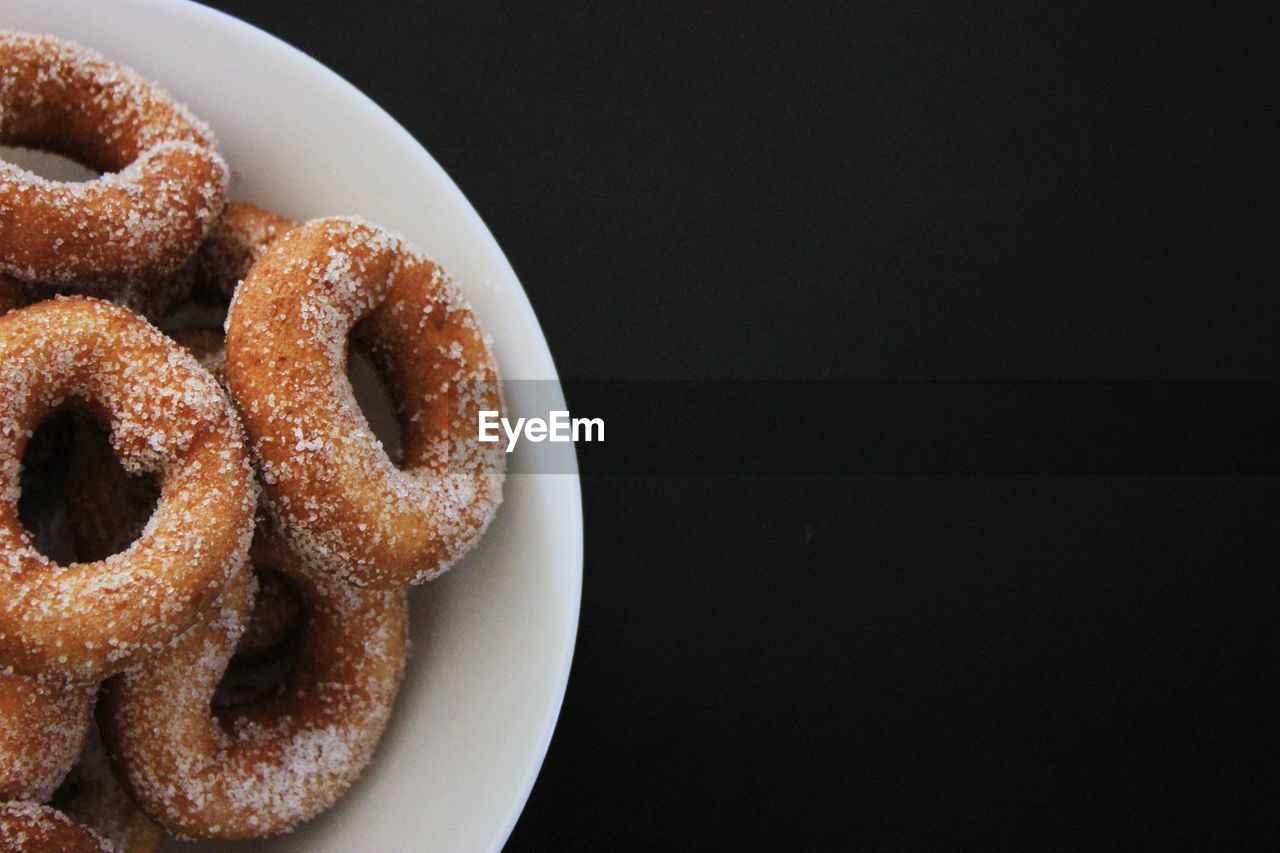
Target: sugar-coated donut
pixel 110 508
pixel 340 500
pixel 255 770
pixel 168 417
pixel 92 796
pixel 42 726
pixel 33 828
pixel 164 183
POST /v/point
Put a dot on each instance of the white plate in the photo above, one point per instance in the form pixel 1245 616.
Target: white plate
pixel 494 637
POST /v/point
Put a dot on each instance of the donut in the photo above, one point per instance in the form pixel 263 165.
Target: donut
pixel 110 507
pixel 42 725
pixel 164 183
pixel 341 502
pixel 33 828
pixel 259 769
pixel 92 796
pixel 168 417
pixel 238 239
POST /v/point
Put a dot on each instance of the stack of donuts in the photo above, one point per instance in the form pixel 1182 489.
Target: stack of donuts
pixel 214 648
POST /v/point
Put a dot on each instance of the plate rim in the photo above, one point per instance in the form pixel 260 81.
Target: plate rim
pixel 570 512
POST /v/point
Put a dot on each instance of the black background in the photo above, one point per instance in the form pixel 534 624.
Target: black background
pixel 870 191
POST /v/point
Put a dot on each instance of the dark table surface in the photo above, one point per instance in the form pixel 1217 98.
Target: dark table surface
pixel 954 654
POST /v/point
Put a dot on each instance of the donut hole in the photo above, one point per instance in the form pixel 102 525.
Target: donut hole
pixel 268 648
pixel 48 164
pixel 77 501
pixel 248 681
pixel 375 402
pixel 43 507
pixel 109 506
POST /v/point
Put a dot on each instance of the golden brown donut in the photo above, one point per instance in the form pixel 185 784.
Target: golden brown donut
pixel 255 770
pixel 169 417
pixel 33 828
pixel 340 500
pixel 42 725
pixel 165 183
pixel 93 797
pixel 110 508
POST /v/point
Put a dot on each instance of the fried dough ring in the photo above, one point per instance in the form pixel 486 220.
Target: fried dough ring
pixel 110 509
pixel 341 502
pixel 169 417
pixel 33 828
pixel 165 183
pixel 255 770
pixel 42 726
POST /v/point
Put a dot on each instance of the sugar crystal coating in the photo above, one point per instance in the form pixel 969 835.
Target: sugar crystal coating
pixel 164 183
pixel 43 721
pixel 251 771
pixel 33 828
pixel 340 500
pixel 168 417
